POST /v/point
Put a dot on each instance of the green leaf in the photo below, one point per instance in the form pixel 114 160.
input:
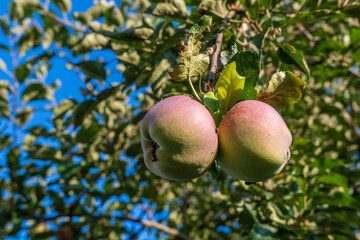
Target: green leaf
pixel 63 5
pixel 252 211
pixel 335 179
pixel 258 39
pixel 93 69
pixel 229 88
pixel 289 55
pixel 21 8
pixel 192 62
pixel 40 152
pixel 129 57
pixel 5 48
pixel 22 72
pixel 5 85
pixel 177 9
pixel 36 91
pixel 201 25
pixel 266 3
pixel 112 14
pixel 213 8
pixel 248 65
pixel 92 41
pixel 262 232
pixel 106 94
pixel 232 49
pixel 284 88
pixel 340 200
pixel 356 55
pixel 5 27
pixel 39 131
pixel 24 115
pixel 71 171
pixel 13 158
pixel 5 88
pixel 5 141
pixel 138 34
pixel 84 108
pixel 81 111
pixel 159 76
pixel 29 40
pixel 326 163
pixel 355 35
pixel 63 108
pixel 53 31
pixel 276 213
pixel 87 134
pixel 252 7
pixel 212 103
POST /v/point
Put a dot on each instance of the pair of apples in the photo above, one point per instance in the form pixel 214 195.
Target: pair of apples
pixel 180 140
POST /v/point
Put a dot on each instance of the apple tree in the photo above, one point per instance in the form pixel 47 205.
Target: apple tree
pixel 79 172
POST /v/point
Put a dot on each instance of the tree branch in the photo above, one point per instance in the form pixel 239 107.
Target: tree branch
pixel 63 21
pixel 146 223
pixel 16 85
pixel 217 47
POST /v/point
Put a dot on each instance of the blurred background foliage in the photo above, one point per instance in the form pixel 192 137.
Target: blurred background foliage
pixel 81 175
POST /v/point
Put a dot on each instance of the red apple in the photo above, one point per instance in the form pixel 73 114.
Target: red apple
pixel 254 141
pixel 178 138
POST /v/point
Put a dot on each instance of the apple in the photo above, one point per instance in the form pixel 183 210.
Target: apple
pixel 254 141
pixel 178 138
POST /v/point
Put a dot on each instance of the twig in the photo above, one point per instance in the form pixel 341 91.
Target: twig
pixel 63 21
pixel 146 223
pixel 345 3
pixel 290 12
pixel 14 63
pixel 217 47
pixel 307 34
pixel 253 24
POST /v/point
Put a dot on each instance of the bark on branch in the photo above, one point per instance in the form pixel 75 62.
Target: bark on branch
pixel 217 47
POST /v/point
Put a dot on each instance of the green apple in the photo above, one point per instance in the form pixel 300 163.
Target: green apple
pixel 178 138
pixel 254 141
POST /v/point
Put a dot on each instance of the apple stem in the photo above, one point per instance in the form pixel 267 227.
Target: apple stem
pixel 193 89
pixel 288 155
pixel 200 82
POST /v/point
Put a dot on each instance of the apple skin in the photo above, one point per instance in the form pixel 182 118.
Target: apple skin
pixel 178 138
pixel 254 141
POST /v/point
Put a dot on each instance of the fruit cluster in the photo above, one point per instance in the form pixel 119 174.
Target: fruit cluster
pixel 180 140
